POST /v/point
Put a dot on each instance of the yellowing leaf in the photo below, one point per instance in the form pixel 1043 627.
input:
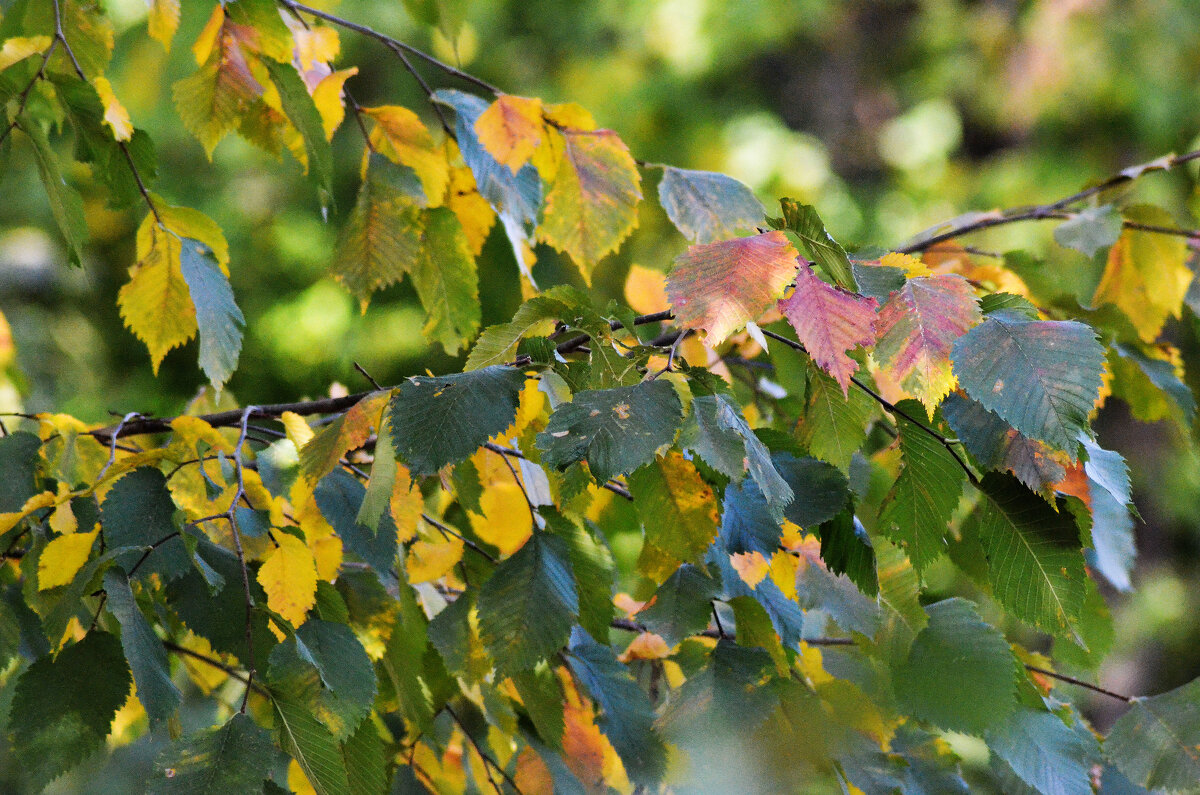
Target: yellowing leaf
pixel 646 646
pixel 206 677
pixel 155 304
pixel 829 321
pixel 719 287
pixel 592 204
pixel 115 115
pixel 163 21
pixel 19 48
pixel 327 96
pixel 316 45
pixel 298 431
pixel 348 432
pixel 402 137
pixel 532 775
pixel 916 328
pixel 752 567
pixel 289 576
pixel 62 559
pixel 473 211
pixel 646 290
pixel 1147 275
pixel 326 547
pixel 212 101
pixel 203 46
pixel 428 561
pixel 506 523
pixel 44 500
pixel 406 504
pixel 511 129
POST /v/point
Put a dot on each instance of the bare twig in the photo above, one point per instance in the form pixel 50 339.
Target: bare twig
pixel 215 663
pixel 1079 682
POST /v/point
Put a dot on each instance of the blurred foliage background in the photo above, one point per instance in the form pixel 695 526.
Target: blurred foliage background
pixel 890 116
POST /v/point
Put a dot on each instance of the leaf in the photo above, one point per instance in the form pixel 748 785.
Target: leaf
pixel 62 559
pixel 1033 555
pixel 677 508
pixel 917 511
pixel 289 576
pixel 18 469
pixel 1146 276
pixel 1045 753
pixel 959 673
pixel 347 432
pixel 401 137
pixel 819 589
pixel 382 236
pixel 163 21
pixel 340 497
pixel 594 570
pixel 835 423
pixel 1041 377
pixel 440 420
pixel 916 328
pixel 325 668
pixel 1156 744
pixel 627 717
pixel 829 321
pixel 1090 230
pixel 511 129
pixel 706 206
pixel 65 204
pixel 18 48
pixel 63 706
pixel 1145 381
pixel 404 662
pixel 716 431
pixel 212 101
pixel 995 445
pixel 592 202
pixel 719 287
pixel 527 607
pixel 726 698
pixel 233 758
pixel 682 606
pixel 446 280
pixel 496 343
pixel 615 430
pixel 846 549
pixel 217 315
pixel 821 247
pixel 364 758
pixel 307 741
pixel 298 104
pixel 156 304
pixel 115 116
pixel 144 651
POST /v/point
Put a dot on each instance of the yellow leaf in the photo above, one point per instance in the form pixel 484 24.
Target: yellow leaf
pixel 406 504
pixel 289 576
pixel 1147 275
pixel 428 561
pixel 911 266
pixel 473 211
pixel 62 559
pixel 752 567
pixel 192 430
pixel 44 500
pixel 532 775
pixel 155 303
pixel 316 45
pixel 207 39
pixel 326 547
pixel 783 573
pixel 206 677
pixel 297 781
pixel 506 522
pixel 63 521
pixel 327 96
pixel 19 48
pixel 188 222
pixel 115 115
pixel 163 21
pixel 646 290
pixel 646 646
pixel 571 115
pixel 511 129
pixel 402 137
pixel 298 430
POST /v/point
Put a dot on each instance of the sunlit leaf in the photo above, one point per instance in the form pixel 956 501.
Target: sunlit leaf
pixel 677 508
pixel 289 576
pixel 62 559
pixel 802 219
pixel 401 136
pixel 511 129
pixel 163 21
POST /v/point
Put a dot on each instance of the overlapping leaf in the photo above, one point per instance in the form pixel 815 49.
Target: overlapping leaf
pixel 677 509
pixel 706 206
pixel 996 445
pixel 719 287
pixel 234 757
pixel 1157 743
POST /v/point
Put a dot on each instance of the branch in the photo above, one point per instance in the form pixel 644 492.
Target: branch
pixel 23 99
pixel 215 663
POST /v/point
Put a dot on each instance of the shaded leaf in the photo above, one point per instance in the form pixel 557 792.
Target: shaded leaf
pixel 307 741
pixel 846 549
pixel 677 508
pixel 1090 230
pixel 1045 753
pixel 401 137
pixel 719 287
pixel 144 651
pixel 682 606
pixel 340 497
pixel 835 423
pixel 65 203
pixel 1041 377
pixel 1157 742
pixel 706 206
pixel 820 246
pixel 225 760
pixel 446 280
pixel 996 445
pixel 217 315
pixel 298 104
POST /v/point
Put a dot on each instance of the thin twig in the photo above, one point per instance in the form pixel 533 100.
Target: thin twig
pixel 1079 682
pixel 447 529
pixel 215 663
pixel 241 555
pixel 367 375
pixel 487 760
pixel 112 452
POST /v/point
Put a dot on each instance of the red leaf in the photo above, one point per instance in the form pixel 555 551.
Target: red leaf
pixel 830 321
pixel 719 287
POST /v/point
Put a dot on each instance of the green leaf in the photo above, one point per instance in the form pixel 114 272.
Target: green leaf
pixel 593 568
pixel 626 715
pixel 996 445
pixel 364 758
pixel 998 302
pixel 527 607
pixel 446 280
pixel 440 420
pixel 706 206
pixel 682 606
pixel 382 236
pixel 1090 230
pixel 728 697
pixel 340 496
pixel 1034 560
pixel 300 109
pixel 917 511
pixel 307 741
pixel 835 425
pixel 18 469
pixel 820 246
pixel 1045 753
pixel 1156 744
pixel 755 630
pixel 542 698
pixel 959 673
pixel 878 281
pixel 1041 377
pixel 717 432
pixel 144 651
pixel 615 430
pixel 138 512
pixel 450 633
pixel 65 204
pixel 677 508
pixel 1132 368
pixel 217 314
pixel 377 499
pixel 63 706
pixel 1095 631
pixel 846 549
pixel 404 660
pixel 817 588
pixel 325 668
pixel 224 760
pixel 496 343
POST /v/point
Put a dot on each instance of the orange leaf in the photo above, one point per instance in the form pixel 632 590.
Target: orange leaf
pixel 752 567
pixel 511 129
pixel 402 137
pixel 719 287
